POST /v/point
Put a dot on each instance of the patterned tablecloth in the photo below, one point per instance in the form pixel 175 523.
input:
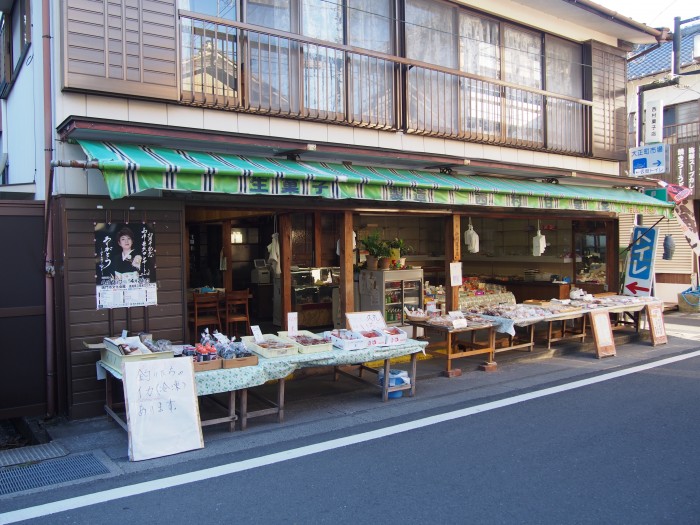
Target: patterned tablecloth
pixel 267 369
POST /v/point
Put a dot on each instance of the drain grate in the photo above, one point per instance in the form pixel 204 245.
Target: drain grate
pixel 21 455
pixel 52 472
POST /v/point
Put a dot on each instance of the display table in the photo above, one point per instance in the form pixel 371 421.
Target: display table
pixel 232 380
pixel 451 346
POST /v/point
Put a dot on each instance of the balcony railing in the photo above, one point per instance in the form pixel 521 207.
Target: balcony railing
pixel 239 66
pixel 682 133
pixel 673 134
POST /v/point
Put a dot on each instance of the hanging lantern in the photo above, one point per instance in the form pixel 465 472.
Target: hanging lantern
pixel 669 247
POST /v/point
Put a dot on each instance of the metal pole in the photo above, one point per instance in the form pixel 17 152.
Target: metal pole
pixel 676 70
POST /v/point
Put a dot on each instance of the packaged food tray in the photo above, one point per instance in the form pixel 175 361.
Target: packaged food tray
pixel 346 339
pixel 273 346
pixel 113 358
pixel 309 343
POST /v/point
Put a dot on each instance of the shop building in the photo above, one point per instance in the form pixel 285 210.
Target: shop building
pixel 208 127
pixel 652 79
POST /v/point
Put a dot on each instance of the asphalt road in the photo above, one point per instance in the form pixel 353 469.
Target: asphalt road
pixel 617 451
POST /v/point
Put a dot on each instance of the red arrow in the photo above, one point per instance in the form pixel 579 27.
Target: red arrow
pixel 632 287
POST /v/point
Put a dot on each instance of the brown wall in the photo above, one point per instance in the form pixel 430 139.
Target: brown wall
pixel 22 310
pixel 80 393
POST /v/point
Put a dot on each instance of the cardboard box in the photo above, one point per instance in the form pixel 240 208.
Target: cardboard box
pixel 374 337
pixel 320 346
pixel 279 348
pixel 204 366
pixel 395 336
pixel 239 362
pixel 347 339
pixel 111 355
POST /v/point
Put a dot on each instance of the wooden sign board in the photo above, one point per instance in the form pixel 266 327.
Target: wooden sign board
pixel 602 331
pixel 657 327
pixel 162 412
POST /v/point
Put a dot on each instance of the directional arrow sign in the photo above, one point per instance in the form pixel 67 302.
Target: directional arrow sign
pixel 649 160
pixel 634 288
pixel 640 262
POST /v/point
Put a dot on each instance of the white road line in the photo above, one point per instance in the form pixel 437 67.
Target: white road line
pixel 231 468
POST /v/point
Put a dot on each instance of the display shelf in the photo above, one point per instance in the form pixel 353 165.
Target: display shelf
pixel 513 258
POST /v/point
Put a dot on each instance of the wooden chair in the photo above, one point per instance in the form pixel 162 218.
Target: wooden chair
pixel 205 313
pixel 236 311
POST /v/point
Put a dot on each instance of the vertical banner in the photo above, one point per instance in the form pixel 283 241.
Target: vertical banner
pixel 653 121
pixel 683 211
pixel 125 259
pixel 640 262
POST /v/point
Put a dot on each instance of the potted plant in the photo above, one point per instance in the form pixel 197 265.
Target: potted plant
pixel 384 255
pixel 374 246
pixel 399 250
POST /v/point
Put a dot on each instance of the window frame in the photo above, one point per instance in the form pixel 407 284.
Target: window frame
pixel 12 58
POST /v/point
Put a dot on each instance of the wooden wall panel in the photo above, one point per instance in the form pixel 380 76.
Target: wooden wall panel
pixel 82 322
pixel 124 47
pixel 606 87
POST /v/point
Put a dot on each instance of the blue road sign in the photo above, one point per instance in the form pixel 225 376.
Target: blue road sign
pixel 640 264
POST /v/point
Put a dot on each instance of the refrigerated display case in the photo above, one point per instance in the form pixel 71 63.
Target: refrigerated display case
pixel 312 296
pixel 389 291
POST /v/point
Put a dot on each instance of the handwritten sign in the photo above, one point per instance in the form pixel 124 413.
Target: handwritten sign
pixel 657 328
pixel 456 273
pixel 161 408
pixel 602 331
pixel 359 321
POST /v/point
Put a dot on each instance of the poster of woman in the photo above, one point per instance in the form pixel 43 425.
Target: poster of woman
pixel 125 265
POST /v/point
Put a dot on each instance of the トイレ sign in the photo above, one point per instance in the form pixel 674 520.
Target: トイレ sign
pixel 640 262
pixel 649 160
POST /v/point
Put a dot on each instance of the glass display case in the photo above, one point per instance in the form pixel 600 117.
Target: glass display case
pixel 389 291
pixel 590 261
pixel 312 296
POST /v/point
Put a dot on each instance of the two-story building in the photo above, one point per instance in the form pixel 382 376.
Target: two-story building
pixel 209 126
pixel 652 81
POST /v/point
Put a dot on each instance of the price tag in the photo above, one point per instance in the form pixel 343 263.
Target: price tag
pixel 222 338
pixel 456 274
pixel 458 320
pixel 257 334
pixel 292 324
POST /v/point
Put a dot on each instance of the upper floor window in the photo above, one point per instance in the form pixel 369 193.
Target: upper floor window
pixel 479 46
pixel 219 8
pixel 16 38
pixel 275 14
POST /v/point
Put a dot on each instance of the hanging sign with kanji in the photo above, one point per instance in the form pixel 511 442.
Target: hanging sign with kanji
pixel 640 262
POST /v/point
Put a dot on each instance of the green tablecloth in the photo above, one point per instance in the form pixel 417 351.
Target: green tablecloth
pixel 225 380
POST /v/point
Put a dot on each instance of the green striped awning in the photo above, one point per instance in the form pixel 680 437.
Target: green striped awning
pixel 130 168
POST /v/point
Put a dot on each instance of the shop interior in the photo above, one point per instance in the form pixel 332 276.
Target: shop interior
pixel 575 253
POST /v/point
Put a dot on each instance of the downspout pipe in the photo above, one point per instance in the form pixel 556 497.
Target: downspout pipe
pixel 49 269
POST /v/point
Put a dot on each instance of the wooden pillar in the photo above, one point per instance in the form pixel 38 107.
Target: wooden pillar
pixel 453 253
pixel 228 251
pixel 346 289
pixel 317 239
pixel 285 240
pixel 612 254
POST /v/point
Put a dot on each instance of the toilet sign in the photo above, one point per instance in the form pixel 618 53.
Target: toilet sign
pixel 640 262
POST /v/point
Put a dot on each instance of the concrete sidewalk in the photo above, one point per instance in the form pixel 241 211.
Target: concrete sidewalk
pixel 317 407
